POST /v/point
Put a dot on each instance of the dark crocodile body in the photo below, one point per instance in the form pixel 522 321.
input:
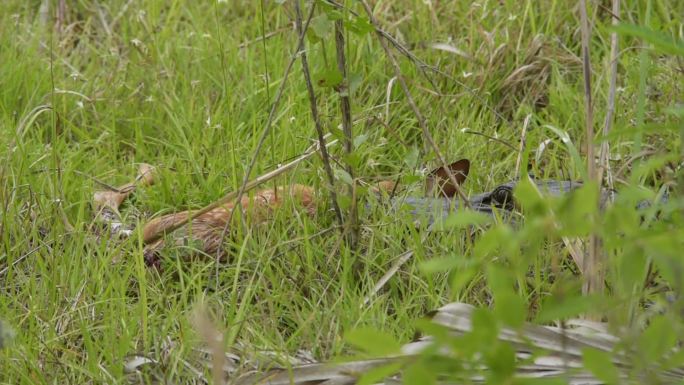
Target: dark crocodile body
pixel 500 200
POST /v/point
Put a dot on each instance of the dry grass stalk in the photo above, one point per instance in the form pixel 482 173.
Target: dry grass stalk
pixel 345 111
pixel 317 120
pixel 604 162
pixel 593 277
pixel 523 144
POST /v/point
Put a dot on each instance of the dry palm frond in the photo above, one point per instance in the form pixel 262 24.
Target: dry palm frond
pixel 541 352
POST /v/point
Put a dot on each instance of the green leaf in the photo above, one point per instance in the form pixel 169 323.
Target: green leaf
pixel 360 139
pixel 353 159
pixel 359 26
pixel 418 374
pixel 501 362
pixel 464 219
pixel 660 41
pixel 344 176
pixel 437 265
pixel 527 195
pixel 375 375
pixel 559 308
pixel 355 80
pixel 373 342
pixel 511 309
pixel 658 339
pixel 500 279
pixel 461 278
pixel 485 329
pixel 329 78
pixel 492 241
pixel 408 179
pixel 577 213
pixel 321 26
pixel 600 363
pixel 411 158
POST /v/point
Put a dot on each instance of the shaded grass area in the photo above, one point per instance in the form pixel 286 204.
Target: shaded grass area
pixel 183 87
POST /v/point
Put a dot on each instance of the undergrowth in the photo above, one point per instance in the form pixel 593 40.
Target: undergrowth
pixel 89 92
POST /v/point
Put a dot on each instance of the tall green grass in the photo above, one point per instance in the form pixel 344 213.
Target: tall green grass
pixel 181 86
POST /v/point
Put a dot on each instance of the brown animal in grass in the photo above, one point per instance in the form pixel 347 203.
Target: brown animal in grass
pixel 207 231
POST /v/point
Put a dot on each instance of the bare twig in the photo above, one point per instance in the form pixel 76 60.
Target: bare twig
pixel 412 104
pixel 317 120
pixel 345 110
pixel 593 281
pixel 604 162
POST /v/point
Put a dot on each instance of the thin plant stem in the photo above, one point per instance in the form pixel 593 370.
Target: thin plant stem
pixel 345 111
pixel 317 121
pixel 593 281
pixel 604 165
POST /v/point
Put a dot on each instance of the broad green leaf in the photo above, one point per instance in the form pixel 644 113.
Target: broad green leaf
pixel 578 210
pixel 329 78
pixel 321 26
pixel 359 25
pixel 419 374
pixel 375 375
pixel 529 197
pixel 511 309
pixel 500 279
pixel 408 179
pixel 600 363
pixel 461 278
pixel 492 241
pixel 411 158
pixel 353 159
pixel 440 264
pixel 632 270
pixel 501 362
pixel 463 219
pixel 559 308
pixel 360 139
pixel 355 80
pixel 485 329
pixel 373 342
pixel 658 339
pixel 440 333
pixel 344 176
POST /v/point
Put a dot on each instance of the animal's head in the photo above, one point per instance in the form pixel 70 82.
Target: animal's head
pixel 438 182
